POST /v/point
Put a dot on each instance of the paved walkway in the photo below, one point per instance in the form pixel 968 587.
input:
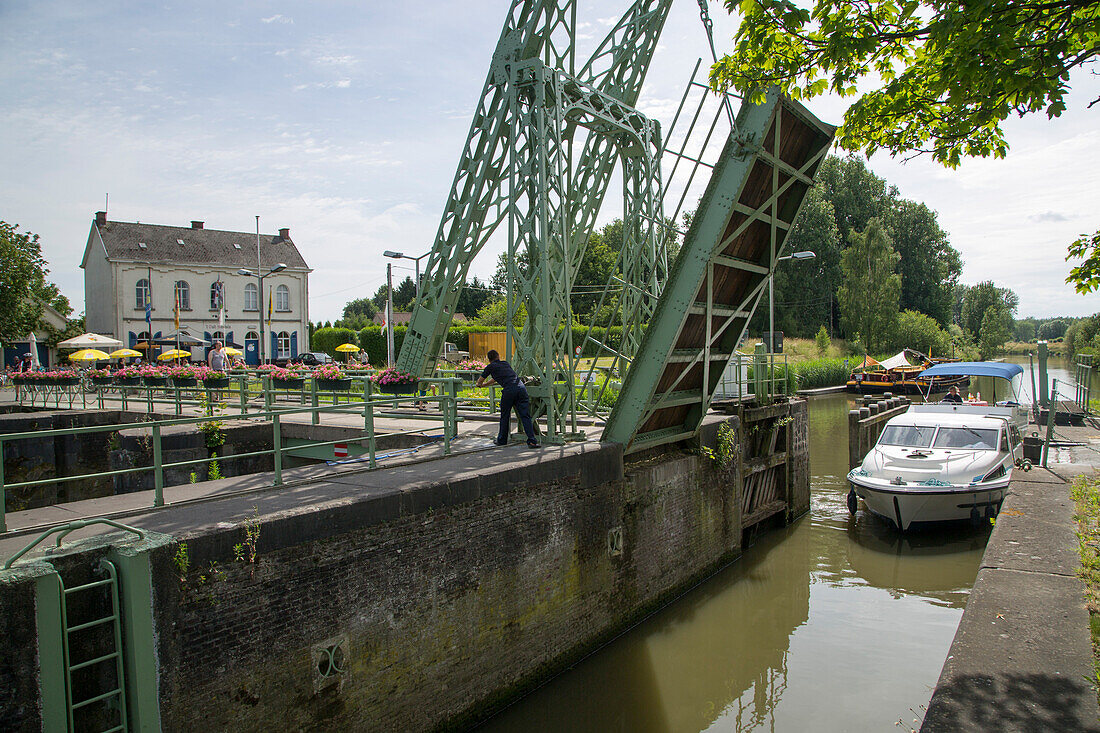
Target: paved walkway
pixel 1022 657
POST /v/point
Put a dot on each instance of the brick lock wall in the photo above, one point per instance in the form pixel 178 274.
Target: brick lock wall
pixel 446 612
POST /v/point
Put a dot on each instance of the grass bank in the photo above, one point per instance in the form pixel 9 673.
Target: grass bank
pixel 1086 499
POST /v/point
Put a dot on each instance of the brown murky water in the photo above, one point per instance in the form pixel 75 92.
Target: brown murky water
pixel 833 624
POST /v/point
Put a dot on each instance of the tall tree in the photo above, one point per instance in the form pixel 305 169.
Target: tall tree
pixel 360 307
pixel 869 296
pixel 474 295
pixel 856 193
pixel 980 298
pixel 929 265
pixel 24 289
pixel 994 330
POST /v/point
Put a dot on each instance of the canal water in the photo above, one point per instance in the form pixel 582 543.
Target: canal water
pixel 835 623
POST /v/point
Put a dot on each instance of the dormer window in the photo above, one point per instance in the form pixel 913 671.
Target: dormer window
pixel 142 245
pixel 236 246
pixel 179 242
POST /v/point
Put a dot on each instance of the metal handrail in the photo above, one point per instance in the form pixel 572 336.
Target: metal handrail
pixel 64 530
pixel 447 402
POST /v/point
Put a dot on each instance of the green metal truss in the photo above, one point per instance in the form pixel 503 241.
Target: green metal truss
pixel 519 163
pixel 751 202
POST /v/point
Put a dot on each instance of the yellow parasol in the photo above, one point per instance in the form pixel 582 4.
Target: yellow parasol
pixel 230 351
pixel 348 349
pixel 123 353
pixel 174 354
pixel 89 355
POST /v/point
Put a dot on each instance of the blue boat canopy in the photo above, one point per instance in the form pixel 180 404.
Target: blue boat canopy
pixel 973 369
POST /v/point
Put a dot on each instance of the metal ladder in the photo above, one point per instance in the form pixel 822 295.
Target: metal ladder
pixel 114 699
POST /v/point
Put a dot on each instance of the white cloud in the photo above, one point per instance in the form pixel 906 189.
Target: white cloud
pixel 277 18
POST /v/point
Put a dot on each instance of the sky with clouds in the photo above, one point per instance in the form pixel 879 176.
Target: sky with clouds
pixel 344 120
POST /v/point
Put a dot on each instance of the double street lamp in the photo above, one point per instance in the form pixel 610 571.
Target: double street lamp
pixel 804 255
pixel 260 298
pixel 402 256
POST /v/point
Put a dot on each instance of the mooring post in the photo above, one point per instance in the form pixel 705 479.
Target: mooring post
pixel 313 401
pixel 3 498
pixel 368 421
pixel 1034 394
pixel 854 458
pixel 1050 419
pixel 1043 373
pixel 277 440
pixel 158 471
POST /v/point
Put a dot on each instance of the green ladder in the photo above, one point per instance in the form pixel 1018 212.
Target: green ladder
pixel 114 699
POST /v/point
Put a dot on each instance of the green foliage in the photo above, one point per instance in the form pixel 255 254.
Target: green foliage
pixel 182 560
pixel 360 307
pixel 979 298
pixel 995 329
pixel 869 296
pixel 327 339
pixel 1083 336
pixel 929 265
pixel 495 313
pixel 404 293
pixel 1054 329
pixel 725 451
pixel 948 74
pixel 917 331
pixel 816 373
pixel 248 550
pixel 214 471
pixel 24 290
pixel 372 340
pixel 822 341
pixel 1026 329
pixel 1085 277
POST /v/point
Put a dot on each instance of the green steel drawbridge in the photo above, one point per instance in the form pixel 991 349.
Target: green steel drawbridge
pixel 544 144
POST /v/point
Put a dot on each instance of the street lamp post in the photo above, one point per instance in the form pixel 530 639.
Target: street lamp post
pixel 260 298
pixel 804 255
pixel 403 256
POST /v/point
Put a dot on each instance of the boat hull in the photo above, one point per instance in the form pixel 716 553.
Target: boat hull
pixel 906 506
pixel 905 386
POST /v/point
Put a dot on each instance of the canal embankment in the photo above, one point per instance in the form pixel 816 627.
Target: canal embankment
pixel 1022 657
pixel 408 598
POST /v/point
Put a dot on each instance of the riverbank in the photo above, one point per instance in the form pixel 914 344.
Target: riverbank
pixel 1022 657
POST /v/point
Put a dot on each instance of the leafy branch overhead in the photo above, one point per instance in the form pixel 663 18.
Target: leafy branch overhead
pixel 947 73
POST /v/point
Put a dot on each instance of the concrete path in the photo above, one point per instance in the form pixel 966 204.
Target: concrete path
pixel 1022 657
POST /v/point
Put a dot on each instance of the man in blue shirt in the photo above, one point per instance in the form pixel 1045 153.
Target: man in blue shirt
pixel 513 394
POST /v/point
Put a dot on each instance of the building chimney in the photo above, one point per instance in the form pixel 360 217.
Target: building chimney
pixel 196 224
pixel 100 218
pixel 284 233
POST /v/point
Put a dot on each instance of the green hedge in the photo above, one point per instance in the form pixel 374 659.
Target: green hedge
pixel 327 339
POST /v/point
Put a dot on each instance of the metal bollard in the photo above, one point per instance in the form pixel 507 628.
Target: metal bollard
pixel 277 439
pixel 158 471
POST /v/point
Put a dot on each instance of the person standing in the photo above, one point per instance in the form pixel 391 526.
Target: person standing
pixel 24 366
pixel 513 394
pixel 218 360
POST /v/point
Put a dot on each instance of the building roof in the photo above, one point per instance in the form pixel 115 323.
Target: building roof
pixel 201 246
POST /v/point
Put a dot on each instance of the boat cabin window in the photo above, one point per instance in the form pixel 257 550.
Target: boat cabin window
pixel 914 436
pixel 969 438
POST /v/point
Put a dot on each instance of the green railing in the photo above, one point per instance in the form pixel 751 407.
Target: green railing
pixel 759 375
pixel 370 407
pixel 246 390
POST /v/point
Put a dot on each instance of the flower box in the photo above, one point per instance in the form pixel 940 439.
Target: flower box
pixel 101 381
pixel 291 383
pixel 65 381
pixel 127 381
pixel 155 381
pixel 184 381
pixel 333 385
pixel 216 382
pixel 398 388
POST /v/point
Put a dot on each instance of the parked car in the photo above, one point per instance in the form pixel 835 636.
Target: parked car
pixel 309 358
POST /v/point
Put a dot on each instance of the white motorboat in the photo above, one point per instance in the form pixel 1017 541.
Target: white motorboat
pixel 946 461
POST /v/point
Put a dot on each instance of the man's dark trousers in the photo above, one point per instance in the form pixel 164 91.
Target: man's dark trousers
pixel 515 397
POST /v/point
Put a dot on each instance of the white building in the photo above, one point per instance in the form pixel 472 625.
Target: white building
pixel 127 265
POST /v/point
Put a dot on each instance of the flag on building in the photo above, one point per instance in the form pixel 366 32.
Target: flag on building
pixel 219 301
pixel 269 308
pixel 177 310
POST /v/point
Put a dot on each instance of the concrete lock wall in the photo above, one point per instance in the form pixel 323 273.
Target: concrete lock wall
pixel 433 602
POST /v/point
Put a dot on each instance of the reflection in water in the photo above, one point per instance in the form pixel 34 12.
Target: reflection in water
pixel 836 623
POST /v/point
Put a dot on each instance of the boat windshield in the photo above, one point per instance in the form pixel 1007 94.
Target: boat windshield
pixel 915 436
pixel 970 438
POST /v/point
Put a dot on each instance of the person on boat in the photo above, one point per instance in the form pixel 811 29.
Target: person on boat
pixel 953 396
